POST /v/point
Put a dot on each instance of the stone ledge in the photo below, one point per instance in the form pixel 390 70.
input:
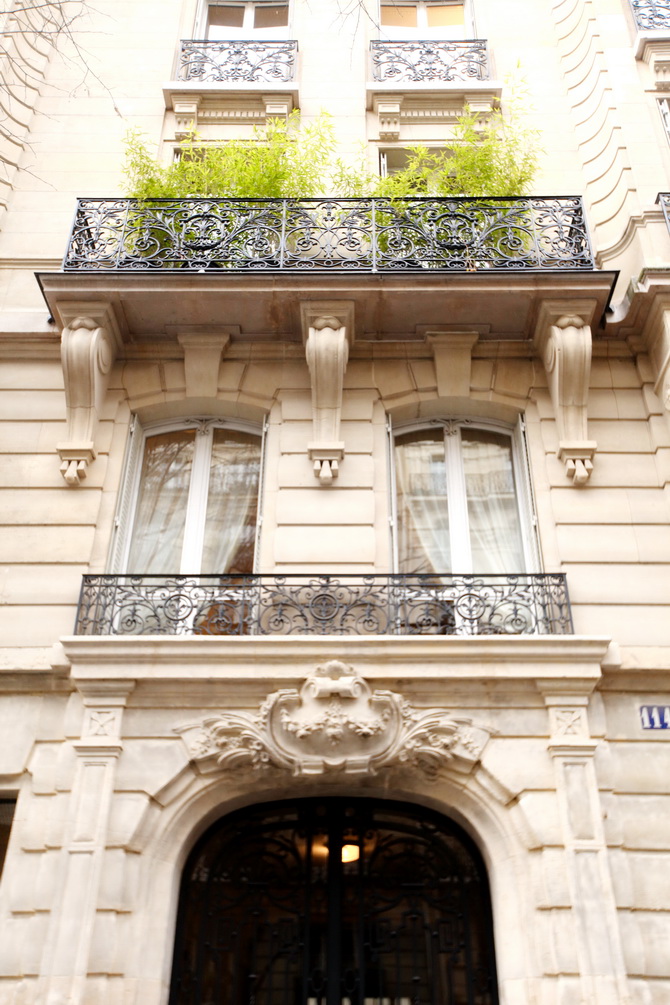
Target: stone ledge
pixel 530 659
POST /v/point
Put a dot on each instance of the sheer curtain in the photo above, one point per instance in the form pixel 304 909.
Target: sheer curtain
pixel 230 527
pixel 422 514
pixel 495 536
pixel 160 517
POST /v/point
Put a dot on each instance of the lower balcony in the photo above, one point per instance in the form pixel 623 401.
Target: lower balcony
pixel 337 235
pixel 234 605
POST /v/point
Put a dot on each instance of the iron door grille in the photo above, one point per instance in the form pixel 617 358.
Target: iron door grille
pixel 334 902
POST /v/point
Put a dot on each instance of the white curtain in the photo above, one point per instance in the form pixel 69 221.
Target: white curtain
pixel 230 528
pixel 158 530
pixel 422 515
pixel 495 536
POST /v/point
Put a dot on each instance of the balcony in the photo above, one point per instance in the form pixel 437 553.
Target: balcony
pixel 422 62
pixel 237 82
pixel 218 62
pixel 651 15
pixel 319 235
pixel 230 605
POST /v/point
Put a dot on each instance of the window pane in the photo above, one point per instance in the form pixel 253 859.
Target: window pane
pixel 158 532
pixel 226 16
pixel 398 17
pixel 271 16
pixel 230 530
pixel 6 813
pixel 495 536
pixel 443 15
pixel 422 518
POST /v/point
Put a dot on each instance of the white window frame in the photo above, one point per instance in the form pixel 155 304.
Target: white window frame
pixel 397 33
pixel 456 500
pixel 196 506
pixel 247 31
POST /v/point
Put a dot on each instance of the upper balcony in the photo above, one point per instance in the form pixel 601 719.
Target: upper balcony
pixel 171 264
pixel 430 62
pixel 217 81
pixel 418 80
pixel 229 605
pixel 651 15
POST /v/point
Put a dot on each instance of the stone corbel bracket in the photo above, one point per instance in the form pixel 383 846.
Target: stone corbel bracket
pixel 452 352
pixel 203 353
pixel 388 114
pixel 563 342
pixel 327 328
pixel 90 343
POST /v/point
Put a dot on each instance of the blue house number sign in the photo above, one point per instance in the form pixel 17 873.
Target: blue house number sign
pixel 655 716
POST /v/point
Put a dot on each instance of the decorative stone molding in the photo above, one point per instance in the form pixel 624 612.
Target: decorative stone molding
pixel 388 114
pixel 90 342
pixel 335 723
pixel 563 341
pixel 327 332
pixel 452 352
pixel 200 106
pixel 602 970
pixel 202 358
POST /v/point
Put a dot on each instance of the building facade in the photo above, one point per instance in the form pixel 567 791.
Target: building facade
pixel 361 510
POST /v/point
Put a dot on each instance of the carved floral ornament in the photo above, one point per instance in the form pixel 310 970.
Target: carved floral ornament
pixel 335 723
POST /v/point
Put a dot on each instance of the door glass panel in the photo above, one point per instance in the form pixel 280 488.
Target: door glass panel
pixel 422 512
pixel 444 15
pixel 232 502
pixel 398 17
pixel 271 16
pixel 493 513
pixel 160 517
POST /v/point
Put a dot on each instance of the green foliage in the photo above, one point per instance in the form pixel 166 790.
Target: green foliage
pixel 492 156
pixel 283 160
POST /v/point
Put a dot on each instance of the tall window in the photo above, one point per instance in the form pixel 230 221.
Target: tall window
pixel 460 500
pixel 7 807
pixel 193 500
pixel 250 19
pixel 425 19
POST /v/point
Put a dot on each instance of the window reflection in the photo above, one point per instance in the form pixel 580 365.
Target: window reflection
pixel 197 502
pixel 457 502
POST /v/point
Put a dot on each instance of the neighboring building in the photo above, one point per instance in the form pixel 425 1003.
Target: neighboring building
pixel 352 453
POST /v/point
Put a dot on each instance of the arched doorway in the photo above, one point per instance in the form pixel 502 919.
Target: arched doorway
pixel 334 902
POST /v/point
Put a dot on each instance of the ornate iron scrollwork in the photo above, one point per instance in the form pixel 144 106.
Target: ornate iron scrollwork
pixel 217 62
pixel 524 604
pixel 651 15
pixel 426 61
pixel 345 235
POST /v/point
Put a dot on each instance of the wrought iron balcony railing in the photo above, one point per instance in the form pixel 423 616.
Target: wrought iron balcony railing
pixel 651 15
pixel 663 199
pixel 525 604
pixel 348 235
pixel 424 61
pixel 216 62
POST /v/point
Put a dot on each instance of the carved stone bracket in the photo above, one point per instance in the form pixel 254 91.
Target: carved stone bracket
pixel 202 358
pixel 452 352
pixel 388 114
pixel 335 723
pixel 90 342
pixel 563 340
pixel 327 332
